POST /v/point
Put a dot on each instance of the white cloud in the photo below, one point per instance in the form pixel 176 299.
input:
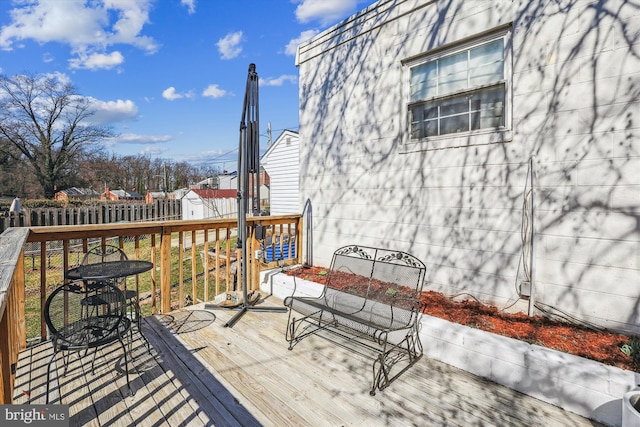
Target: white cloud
pixel 230 45
pixel 171 94
pixel 61 78
pixel 154 150
pixel 89 28
pixel 214 91
pixel 132 138
pixel 107 112
pixel 278 81
pixel 292 46
pixel 190 4
pixel 96 61
pixel 324 11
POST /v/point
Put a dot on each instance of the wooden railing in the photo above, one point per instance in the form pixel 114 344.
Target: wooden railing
pixel 12 307
pixel 199 251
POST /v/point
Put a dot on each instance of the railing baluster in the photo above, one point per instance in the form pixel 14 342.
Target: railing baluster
pixel 217 262
pixel 180 269
pixel 165 271
pixel 228 269
pixel 205 262
pixel 154 289
pixel 43 288
pixel 194 263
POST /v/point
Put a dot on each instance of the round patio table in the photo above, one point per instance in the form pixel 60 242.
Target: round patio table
pixel 96 275
pixel 108 270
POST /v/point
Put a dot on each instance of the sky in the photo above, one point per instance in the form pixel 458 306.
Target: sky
pixel 169 76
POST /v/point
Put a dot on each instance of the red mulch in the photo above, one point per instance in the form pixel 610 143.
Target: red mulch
pixel 602 346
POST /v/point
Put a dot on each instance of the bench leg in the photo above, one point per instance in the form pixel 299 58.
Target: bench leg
pixel 408 351
pixel 315 321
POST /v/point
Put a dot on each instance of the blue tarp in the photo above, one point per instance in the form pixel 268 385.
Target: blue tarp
pixel 279 254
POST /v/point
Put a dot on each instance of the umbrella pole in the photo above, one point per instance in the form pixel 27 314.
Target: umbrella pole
pixel 248 165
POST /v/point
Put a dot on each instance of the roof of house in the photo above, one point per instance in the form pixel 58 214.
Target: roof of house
pixel 282 137
pixel 80 192
pixel 127 194
pixel 215 194
pixel 158 194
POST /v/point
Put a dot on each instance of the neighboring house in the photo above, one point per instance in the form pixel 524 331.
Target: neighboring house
pixel 75 193
pixel 121 195
pixel 206 203
pixel 211 182
pixel 265 195
pixel 179 193
pixel 282 163
pixel 152 196
pixel 228 181
pixel 264 188
pixel 419 124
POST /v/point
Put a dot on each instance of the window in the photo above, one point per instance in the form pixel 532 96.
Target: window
pixel 458 91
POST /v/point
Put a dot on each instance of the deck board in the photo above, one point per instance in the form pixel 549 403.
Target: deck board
pixel 201 373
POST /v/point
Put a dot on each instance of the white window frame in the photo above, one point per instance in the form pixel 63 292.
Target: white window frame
pixel 465 138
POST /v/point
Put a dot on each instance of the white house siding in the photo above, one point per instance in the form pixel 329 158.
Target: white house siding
pixel 227 182
pixel 282 163
pixel 458 205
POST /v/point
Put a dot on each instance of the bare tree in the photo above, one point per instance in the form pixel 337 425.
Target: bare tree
pixel 47 121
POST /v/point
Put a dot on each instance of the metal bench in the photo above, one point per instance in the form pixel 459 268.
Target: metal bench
pixel 372 298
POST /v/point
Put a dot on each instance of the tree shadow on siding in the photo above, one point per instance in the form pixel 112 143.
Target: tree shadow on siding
pixel 461 209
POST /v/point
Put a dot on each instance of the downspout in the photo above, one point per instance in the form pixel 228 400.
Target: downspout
pixel 532 255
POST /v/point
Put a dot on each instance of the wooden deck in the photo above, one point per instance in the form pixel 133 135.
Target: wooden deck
pixel 200 373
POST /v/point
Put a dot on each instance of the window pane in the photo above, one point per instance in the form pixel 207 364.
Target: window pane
pixel 416 130
pixel 430 111
pixel 475 121
pixel 454 83
pixel 416 122
pixel 454 106
pixel 424 81
pixel 486 54
pixel 454 124
pixel 431 128
pixel 453 73
pixel 486 63
pixel 490 105
pixel 486 74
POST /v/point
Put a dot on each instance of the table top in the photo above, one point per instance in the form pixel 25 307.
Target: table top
pixel 109 270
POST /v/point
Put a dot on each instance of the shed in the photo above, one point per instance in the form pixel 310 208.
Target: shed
pixel 207 203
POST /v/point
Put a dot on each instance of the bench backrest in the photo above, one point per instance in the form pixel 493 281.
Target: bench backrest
pixel 380 275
